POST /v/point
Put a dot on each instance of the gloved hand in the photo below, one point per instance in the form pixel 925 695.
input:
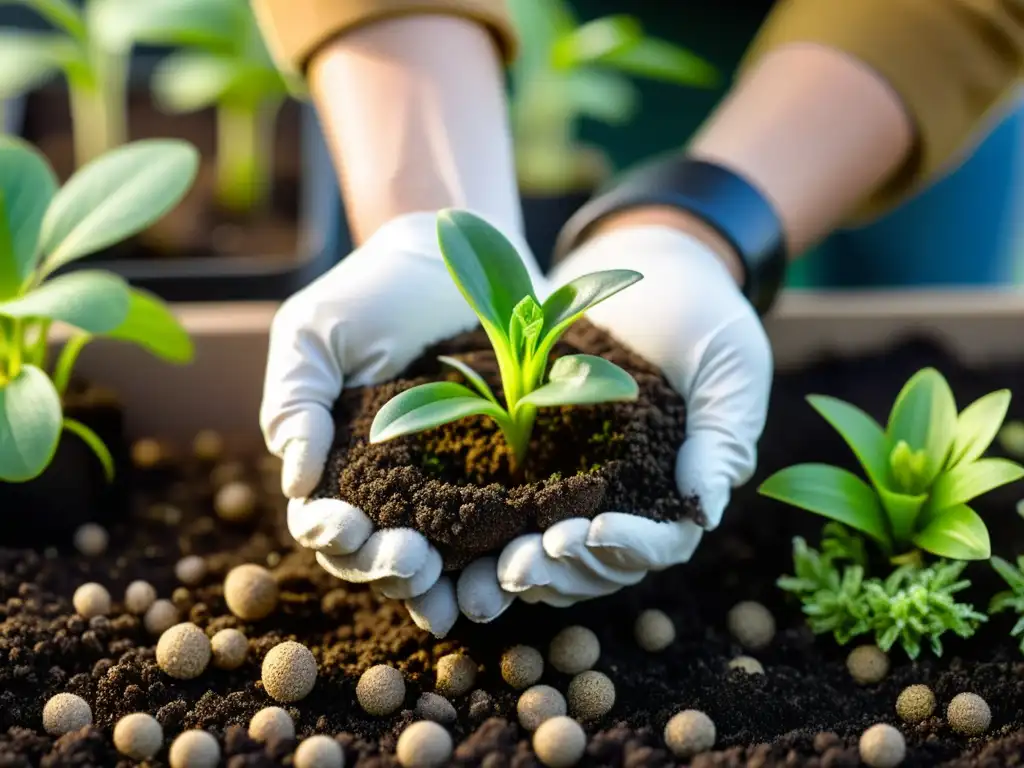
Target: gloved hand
pixel 688 317
pixel 361 324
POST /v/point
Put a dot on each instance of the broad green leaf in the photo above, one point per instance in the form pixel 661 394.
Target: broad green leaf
pixel 958 533
pixel 30 59
pixel 188 81
pixel 1012 576
pixel 903 511
pixel 10 280
pixel 832 492
pixel 924 415
pixel 428 406
pixel 662 60
pixel 583 380
pixel 608 97
pixel 969 480
pixel 116 196
pixel 63 14
pixel 977 426
pixel 27 185
pixel 217 25
pixel 30 425
pixel 485 266
pixel 862 433
pixel 96 445
pixel 95 302
pixel 594 40
pixel 568 303
pixel 470 375
pixel 151 325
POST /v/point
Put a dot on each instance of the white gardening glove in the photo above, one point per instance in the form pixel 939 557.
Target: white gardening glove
pixel 361 324
pixel 688 317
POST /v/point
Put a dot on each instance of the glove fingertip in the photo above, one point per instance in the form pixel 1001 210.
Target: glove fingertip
pixel 436 610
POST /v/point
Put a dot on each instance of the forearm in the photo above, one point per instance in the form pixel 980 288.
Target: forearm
pixel 415 116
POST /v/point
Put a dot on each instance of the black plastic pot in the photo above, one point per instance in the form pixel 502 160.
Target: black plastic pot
pixel 73 490
pixel 544 216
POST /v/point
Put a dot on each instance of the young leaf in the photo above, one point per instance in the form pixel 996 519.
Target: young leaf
pixel 903 511
pixel 62 14
pixel 29 59
pixel 924 415
pixel 568 303
pixel 30 425
pixel 594 40
pixel 428 406
pixel 470 375
pixel 187 81
pixel 607 97
pixel 485 266
pixel 862 433
pixel 1011 575
pixel 213 24
pixel 525 327
pixel 957 533
pixel 93 301
pixel 583 380
pixel 95 444
pixel 151 325
pixel 969 480
pixel 27 185
pixel 832 492
pixel 977 426
pixel 115 197
pixel 662 60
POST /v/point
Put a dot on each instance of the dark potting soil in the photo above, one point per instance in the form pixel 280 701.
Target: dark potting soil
pixel 805 711
pixel 454 483
pixel 197 226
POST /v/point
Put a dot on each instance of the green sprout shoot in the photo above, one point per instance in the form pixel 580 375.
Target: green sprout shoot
pixel 523 331
pixel 1013 598
pixel 223 63
pixel 43 228
pixel 922 469
pixel 566 71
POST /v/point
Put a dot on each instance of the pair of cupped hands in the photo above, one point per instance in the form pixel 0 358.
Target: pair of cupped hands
pixel 375 312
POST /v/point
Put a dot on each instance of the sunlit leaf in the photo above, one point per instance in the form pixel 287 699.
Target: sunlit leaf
pixel 93 301
pixel 583 380
pixel 27 186
pixel 30 425
pixel 958 533
pixel 977 426
pixel 924 415
pixel 428 406
pixel 968 480
pixel 151 325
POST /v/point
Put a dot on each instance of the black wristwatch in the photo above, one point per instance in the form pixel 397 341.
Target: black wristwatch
pixel 719 197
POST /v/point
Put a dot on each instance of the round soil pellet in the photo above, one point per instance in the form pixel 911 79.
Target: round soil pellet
pixel 559 742
pixel 573 650
pixel 867 664
pixel 747 664
pixel 969 714
pixel 194 749
pixel 229 647
pixel 190 570
pixel 91 539
pixel 590 695
pixel 915 703
pixel 139 596
pixel 380 690
pixel 147 453
pixel 319 752
pixel 289 671
pixel 689 733
pixel 250 592
pixel 537 704
pixel 456 674
pixel 271 724
pixel 424 744
pixel 183 651
pixel 91 600
pixel 208 445
pixel 138 736
pixel 654 631
pixel 65 713
pixel 882 746
pixel 751 624
pixel 522 666
pixel 235 502
pixel 430 706
pixel 161 616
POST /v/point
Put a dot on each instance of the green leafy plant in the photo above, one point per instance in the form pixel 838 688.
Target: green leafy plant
pixel 1013 598
pixel 43 228
pixel 922 469
pixel 912 606
pixel 222 62
pixel 523 331
pixel 566 71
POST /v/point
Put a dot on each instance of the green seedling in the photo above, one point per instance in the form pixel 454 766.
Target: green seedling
pixel 922 469
pixel 494 281
pixel 43 228
pixel 1013 598
pixel 566 71
pixel 222 62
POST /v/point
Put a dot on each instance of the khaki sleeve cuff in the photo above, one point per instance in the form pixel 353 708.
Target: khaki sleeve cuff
pixel 949 61
pixel 295 30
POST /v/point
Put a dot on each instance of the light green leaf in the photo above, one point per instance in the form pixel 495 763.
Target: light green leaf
pixel 969 480
pixel 485 266
pixel 30 425
pixel 977 426
pixel 661 60
pixel 116 196
pixel 30 59
pixel 862 433
pixel 151 325
pixel 1012 576
pixel 428 406
pixel 594 40
pixel 583 380
pixel 924 415
pixel 903 511
pixel 525 327
pixel 217 25
pixel 569 302
pixel 832 492
pixel 958 533
pixel 61 13
pixel 188 81
pixel 470 375
pixel 10 280
pixel 27 185
pixel 540 24
pixel 608 97
pixel 96 445
pixel 92 301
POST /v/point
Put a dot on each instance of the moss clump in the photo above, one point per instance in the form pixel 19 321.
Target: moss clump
pixel 915 703
pixel 969 714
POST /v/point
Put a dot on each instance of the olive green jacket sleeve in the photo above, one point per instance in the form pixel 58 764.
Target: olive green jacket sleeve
pixel 296 29
pixel 951 62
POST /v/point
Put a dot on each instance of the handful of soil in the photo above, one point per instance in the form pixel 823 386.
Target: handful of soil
pixel 454 483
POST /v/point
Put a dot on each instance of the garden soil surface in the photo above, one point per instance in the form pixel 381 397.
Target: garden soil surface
pixel 197 227
pixel 805 711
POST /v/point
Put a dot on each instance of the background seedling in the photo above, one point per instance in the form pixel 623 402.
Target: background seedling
pixel 566 71
pixel 491 276
pixel 43 228
pixel 1013 598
